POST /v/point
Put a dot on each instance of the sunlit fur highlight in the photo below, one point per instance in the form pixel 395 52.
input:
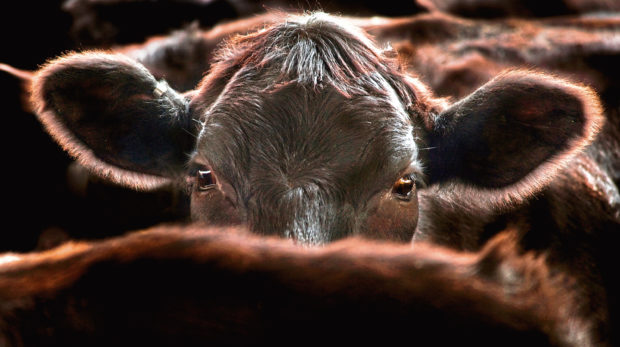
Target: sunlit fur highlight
pixel 69 141
pixel 527 187
pixel 496 284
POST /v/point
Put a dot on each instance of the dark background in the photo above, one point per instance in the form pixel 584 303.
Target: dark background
pixel 34 193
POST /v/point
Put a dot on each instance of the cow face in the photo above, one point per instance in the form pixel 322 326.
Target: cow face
pixel 306 130
pixel 307 164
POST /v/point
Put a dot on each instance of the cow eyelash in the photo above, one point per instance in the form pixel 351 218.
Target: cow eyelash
pixel 205 180
pixel 420 181
pixel 416 173
pixel 201 178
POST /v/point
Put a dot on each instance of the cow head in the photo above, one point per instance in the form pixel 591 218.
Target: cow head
pixel 306 129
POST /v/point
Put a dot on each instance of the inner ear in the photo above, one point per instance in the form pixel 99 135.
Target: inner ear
pixel 519 125
pixel 115 117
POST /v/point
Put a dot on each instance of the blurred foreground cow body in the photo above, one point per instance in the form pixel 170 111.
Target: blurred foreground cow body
pixel 190 287
pixel 305 129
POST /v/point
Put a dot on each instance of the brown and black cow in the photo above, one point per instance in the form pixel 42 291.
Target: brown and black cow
pixel 306 129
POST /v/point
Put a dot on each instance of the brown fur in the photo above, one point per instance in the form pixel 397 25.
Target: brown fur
pixel 190 274
pixel 571 213
pixel 456 56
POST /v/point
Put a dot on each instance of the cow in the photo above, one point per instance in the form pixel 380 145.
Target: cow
pixel 284 131
pixel 189 286
pixel 306 129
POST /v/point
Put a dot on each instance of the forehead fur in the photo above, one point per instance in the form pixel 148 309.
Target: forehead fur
pixel 295 133
pixel 314 50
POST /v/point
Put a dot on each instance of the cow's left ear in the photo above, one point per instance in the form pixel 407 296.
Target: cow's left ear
pixel 518 128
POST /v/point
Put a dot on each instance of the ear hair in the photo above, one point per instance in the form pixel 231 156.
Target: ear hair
pixel 555 96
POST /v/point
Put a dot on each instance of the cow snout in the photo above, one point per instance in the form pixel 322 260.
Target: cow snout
pixel 305 214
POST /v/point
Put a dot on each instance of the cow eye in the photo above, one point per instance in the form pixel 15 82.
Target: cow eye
pixel 205 179
pixel 403 188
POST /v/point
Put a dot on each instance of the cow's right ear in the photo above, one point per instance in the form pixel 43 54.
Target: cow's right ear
pixel 110 113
